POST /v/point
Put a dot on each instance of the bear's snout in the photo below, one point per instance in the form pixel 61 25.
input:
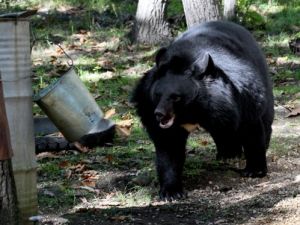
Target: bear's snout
pixel 159 115
pixel 165 120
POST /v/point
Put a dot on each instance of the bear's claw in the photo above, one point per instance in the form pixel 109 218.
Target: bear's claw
pixel 253 173
pixel 171 195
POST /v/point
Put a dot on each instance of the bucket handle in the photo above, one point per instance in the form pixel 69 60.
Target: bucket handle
pixel 34 40
pixel 70 62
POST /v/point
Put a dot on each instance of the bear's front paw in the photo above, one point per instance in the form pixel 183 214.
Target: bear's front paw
pixel 248 172
pixel 171 194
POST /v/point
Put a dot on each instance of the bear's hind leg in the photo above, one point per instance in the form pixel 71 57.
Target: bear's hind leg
pixel 255 146
pixel 228 145
pixel 170 158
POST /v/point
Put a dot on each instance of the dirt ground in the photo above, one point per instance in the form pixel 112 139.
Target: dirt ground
pixel 217 196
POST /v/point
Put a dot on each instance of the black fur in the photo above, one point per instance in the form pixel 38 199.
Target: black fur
pixel 214 75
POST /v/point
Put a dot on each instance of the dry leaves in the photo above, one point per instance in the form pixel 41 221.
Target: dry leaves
pixel 80 147
pixel 119 218
pixel 108 114
pixel 89 178
pixel 46 155
pixel 294 112
pixel 123 128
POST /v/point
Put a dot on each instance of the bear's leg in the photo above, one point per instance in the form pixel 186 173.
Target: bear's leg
pixel 254 143
pixel 170 156
pixel 228 144
pixel 267 119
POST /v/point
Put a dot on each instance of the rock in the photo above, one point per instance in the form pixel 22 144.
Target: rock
pixel 281 112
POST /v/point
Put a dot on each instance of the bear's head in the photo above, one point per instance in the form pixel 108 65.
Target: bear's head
pixel 177 82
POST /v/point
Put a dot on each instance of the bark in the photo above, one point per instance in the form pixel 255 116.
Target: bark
pixel 198 11
pixel 8 194
pixel 150 25
pixel 8 199
pixel 229 9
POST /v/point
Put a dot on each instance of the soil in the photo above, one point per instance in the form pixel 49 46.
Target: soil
pixel 217 196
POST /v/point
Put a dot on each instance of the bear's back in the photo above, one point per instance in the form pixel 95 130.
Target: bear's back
pixel 223 36
pixel 231 46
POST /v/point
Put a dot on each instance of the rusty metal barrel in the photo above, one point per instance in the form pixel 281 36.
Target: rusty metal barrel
pixel 15 67
pixel 71 107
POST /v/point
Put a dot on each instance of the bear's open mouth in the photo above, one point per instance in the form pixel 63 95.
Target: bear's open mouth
pixel 167 122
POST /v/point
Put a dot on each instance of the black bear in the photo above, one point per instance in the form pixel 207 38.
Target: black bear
pixel 214 75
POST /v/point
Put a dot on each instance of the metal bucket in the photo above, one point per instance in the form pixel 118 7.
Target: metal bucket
pixel 15 66
pixel 71 107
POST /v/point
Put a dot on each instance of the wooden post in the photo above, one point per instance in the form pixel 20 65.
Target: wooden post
pixel 15 66
pixel 8 196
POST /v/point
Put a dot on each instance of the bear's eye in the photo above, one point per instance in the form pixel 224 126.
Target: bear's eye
pixel 157 96
pixel 176 98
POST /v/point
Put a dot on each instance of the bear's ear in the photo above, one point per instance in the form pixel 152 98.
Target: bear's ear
pixel 160 56
pixel 203 65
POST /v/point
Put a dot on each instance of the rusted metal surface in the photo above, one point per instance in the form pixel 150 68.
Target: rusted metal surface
pixel 5 146
pixel 71 107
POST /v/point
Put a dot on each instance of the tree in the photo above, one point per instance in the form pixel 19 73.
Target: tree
pixel 8 199
pixel 150 25
pixel 229 9
pixel 198 11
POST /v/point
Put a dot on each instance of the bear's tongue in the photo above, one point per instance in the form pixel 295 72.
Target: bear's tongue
pixel 166 123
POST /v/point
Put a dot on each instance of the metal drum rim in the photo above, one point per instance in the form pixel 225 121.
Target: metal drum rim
pixel 47 90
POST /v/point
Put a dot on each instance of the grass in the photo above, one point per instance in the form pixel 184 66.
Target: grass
pixel 140 196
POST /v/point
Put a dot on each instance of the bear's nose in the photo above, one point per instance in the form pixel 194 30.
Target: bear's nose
pixel 159 115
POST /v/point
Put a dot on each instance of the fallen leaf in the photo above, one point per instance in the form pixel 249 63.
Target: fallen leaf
pixel 81 31
pixel 68 174
pixel 80 147
pixel 108 114
pixel 204 142
pixel 59 51
pixel 89 183
pixel 90 174
pixel 294 112
pixel 122 131
pixel 109 158
pixel 87 161
pixel 119 218
pixel 123 127
pixel 45 155
pixel 53 59
pixel 78 168
pixel 125 123
pixel 82 40
pixel 106 64
pixel 64 164
pixel 74 47
pixel 282 60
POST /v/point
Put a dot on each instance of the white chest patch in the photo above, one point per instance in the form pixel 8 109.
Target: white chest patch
pixel 189 127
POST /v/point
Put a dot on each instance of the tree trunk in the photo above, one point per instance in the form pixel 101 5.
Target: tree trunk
pixel 8 194
pixel 198 11
pixel 229 9
pixel 150 25
pixel 8 199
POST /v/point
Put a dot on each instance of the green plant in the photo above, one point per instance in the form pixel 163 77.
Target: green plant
pixel 285 20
